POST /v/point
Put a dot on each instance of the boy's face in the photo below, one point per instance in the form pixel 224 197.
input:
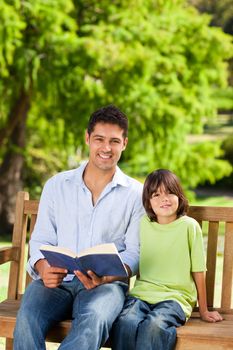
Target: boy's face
pixel 106 143
pixel 164 205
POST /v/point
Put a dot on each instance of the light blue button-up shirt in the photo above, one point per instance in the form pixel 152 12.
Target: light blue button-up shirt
pixel 67 217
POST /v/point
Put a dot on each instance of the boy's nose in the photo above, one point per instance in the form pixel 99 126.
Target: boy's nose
pixel 165 196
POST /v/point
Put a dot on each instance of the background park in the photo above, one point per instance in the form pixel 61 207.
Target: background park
pixel 167 64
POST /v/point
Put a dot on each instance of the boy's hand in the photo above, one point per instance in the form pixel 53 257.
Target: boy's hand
pixel 211 316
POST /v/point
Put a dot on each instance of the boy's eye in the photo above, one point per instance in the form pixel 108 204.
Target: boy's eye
pixel 155 195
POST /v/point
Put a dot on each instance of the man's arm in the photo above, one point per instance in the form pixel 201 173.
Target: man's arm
pixel 130 255
pixel 44 231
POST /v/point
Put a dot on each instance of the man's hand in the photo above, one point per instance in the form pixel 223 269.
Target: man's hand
pixel 92 280
pixel 51 276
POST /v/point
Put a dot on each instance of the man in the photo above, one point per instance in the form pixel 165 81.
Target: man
pixel 93 204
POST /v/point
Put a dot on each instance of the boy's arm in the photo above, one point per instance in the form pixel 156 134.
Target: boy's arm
pixel 206 315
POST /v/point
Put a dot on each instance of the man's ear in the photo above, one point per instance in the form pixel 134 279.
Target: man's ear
pixel 87 138
pixel 125 143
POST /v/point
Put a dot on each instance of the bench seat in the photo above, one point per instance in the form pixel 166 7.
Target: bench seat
pixel 217 336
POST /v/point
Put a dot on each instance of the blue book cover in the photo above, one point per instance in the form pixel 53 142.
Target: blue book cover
pixel 103 260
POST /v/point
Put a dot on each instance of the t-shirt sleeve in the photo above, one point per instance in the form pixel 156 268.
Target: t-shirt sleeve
pixel 197 251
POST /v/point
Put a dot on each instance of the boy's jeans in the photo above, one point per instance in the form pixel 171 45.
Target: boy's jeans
pixel 142 326
pixel 93 312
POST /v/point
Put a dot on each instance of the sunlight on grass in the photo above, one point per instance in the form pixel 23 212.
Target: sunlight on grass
pixel 213 201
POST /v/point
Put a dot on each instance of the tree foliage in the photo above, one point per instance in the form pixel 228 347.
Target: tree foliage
pixel 159 61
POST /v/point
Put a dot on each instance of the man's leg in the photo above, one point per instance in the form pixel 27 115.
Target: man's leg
pixel 158 330
pixel 94 312
pixel 125 328
pixel 41 307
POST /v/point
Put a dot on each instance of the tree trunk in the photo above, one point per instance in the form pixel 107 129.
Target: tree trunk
pixel 12 165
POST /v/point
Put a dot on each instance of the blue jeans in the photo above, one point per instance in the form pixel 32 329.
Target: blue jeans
pixel 142 326
pixel 92 311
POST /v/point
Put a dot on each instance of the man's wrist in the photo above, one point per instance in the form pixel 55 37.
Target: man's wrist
pixel 40 265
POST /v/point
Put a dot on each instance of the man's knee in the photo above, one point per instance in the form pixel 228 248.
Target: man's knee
pixel 109 296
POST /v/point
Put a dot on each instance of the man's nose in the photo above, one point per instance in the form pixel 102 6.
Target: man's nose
pixel 107 147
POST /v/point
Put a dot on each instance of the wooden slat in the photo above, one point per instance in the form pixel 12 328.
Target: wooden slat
pixel 9 344
pixel 211 261
pixel 8 254
pixel 19 237
pixel 31 227
pixel 189 343
pixel 32 223
pixel 202 213
pixel 31 206
pixel 198 329
pixel 227 267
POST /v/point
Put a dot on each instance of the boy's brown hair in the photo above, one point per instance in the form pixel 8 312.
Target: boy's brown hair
pixel 171 183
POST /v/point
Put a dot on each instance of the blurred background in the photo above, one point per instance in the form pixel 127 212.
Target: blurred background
pixel 167 64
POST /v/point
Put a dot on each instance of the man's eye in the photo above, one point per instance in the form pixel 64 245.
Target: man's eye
pixel 115 141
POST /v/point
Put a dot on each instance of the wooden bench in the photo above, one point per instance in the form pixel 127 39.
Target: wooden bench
pixel 195 333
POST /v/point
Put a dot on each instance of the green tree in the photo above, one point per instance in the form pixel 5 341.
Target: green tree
pixel 157 60
pixel 36 38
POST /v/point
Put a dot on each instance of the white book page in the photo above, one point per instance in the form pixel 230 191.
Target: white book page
pixel 52 248
pixel 107 248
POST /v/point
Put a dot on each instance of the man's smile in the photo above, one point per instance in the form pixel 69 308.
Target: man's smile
pixel 105 156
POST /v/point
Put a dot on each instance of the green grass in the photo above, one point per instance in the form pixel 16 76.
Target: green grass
pixel 213 201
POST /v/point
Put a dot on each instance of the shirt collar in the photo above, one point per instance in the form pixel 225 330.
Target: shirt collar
pixel 119 177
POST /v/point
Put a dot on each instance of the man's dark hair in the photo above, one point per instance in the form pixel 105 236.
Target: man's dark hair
pixel 111 115
pixel 171 183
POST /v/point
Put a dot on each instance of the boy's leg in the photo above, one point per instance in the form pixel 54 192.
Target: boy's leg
pixel 125 328
pixel 94 312
pixel 41 307
pixel 158 330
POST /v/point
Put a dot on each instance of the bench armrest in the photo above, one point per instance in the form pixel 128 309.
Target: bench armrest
pixel 8 254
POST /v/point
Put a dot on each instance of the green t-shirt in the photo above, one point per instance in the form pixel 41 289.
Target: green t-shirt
pixel 168 255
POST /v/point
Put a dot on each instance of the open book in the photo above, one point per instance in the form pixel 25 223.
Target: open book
pixel 103 259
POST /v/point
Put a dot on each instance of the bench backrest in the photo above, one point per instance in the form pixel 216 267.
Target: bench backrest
pixel 211 217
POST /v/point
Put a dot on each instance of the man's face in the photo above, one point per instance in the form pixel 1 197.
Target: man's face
pixel 106 143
